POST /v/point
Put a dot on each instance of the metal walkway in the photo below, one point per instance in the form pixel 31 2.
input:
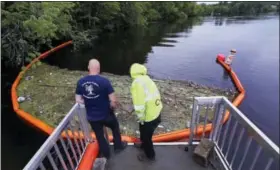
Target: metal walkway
pixel 238 143
pixel 168 157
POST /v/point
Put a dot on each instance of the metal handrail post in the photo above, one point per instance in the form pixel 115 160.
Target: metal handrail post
pixel 193 125
pixel 84 122
pixel 42 152
pixel 217 122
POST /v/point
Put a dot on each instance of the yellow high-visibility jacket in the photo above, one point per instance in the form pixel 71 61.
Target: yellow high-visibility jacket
pixel 145 95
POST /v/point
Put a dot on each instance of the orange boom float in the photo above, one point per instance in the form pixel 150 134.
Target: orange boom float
pixel 166 137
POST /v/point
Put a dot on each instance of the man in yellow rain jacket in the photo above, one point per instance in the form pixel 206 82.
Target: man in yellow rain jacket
pixel 147 105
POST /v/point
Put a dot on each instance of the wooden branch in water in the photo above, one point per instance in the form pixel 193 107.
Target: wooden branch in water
pixel 161 81
pixel 47 85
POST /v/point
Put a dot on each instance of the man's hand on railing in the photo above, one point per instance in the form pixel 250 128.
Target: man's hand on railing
pixel 79 99
pixel 81 105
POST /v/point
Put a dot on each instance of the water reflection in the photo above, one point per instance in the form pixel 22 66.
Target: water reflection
pixel 117 51
pixel 219 21
pixel 225 75
pixel 168 54
pixel 169 41
pixel 164 45
pixel 234 21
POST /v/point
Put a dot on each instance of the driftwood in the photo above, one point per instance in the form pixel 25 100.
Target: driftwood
pixel 48 85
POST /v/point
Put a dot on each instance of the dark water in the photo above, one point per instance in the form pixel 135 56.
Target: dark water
pixel 187 51
pixel 182 51
pixel 18 141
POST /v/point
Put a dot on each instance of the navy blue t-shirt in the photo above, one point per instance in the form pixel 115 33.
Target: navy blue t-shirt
pixel 95 90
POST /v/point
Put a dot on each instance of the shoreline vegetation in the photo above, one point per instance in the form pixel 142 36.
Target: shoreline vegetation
pixel 27 28
pixel 49 91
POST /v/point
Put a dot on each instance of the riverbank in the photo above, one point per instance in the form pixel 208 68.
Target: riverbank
pixel 49 95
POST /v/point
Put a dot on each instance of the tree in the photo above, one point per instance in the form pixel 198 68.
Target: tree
pixel 26 26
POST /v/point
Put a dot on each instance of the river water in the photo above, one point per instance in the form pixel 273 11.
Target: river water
pixel 181 51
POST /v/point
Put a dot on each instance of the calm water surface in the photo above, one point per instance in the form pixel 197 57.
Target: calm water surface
pixel 187 51
pixel 182 51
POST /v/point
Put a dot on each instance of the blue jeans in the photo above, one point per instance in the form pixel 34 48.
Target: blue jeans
pixel 111 122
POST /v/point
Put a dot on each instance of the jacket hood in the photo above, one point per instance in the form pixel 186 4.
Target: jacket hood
pixel 137 70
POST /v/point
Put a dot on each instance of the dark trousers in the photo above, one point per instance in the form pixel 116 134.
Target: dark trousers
pixel 111 122
pixel 146 133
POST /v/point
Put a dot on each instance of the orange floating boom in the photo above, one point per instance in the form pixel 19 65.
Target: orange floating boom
pixel 170 136
pixel 92 149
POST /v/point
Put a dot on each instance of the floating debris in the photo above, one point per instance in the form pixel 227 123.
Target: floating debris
pixel 28 77
pixel 55 102
pixel 28 97
pixel 188 124
pixel 160 126
pixel 21 99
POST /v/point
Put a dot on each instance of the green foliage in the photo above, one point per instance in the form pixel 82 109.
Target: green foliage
pixel 27 27
pixel 238 8
pixel 152 14
pixel 172 11
pixel 132 13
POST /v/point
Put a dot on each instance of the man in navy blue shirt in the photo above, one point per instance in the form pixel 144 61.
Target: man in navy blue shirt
pixel 97 93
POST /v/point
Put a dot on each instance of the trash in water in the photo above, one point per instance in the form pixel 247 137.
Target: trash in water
pixel 21 99
pixel 28 77
pixel 188 124
pixel 160 126
pixel 28 98
pixel 177 98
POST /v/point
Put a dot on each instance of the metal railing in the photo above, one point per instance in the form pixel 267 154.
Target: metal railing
pixel 65 147
pixel 239 143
